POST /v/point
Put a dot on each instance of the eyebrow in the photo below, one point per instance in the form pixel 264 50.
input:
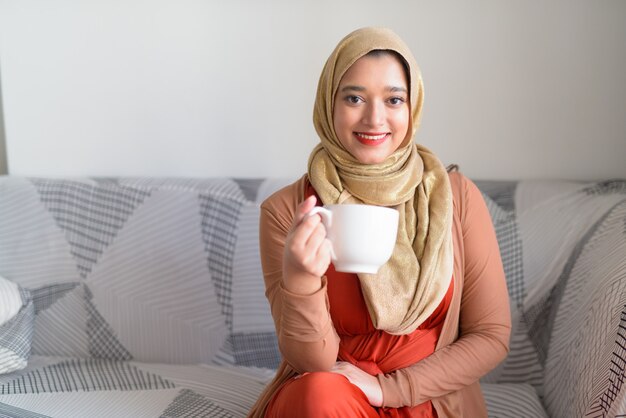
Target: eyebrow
pixel 396 89
pixel 393 89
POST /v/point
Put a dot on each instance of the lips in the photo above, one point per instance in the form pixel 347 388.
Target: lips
pixel 371 138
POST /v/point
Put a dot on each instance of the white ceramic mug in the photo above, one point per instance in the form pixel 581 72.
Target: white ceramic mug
pixel 362 236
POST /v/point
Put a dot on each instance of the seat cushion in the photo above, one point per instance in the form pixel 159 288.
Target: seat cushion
pixel 74 387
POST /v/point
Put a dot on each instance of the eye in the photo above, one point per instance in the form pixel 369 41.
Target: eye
pixel 396 101
pixel 351 99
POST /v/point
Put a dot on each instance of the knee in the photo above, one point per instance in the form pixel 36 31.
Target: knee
pixel 320 394
pixel 313 387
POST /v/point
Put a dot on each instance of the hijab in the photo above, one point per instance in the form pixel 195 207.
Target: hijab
pixel 409 287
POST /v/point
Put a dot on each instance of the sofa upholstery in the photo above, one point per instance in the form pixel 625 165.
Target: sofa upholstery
pixel 147 299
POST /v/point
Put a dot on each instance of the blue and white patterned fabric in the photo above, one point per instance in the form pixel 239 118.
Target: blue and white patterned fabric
pixel 147 299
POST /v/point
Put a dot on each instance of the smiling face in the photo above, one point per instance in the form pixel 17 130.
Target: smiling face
pixel 371 112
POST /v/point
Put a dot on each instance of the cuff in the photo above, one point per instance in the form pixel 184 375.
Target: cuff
pixel 397 389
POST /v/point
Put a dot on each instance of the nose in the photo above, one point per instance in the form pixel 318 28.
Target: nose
pixel 374 114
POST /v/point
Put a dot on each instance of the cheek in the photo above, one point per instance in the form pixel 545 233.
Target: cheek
pixel 401 122
pixel 338 125
pixel 342 120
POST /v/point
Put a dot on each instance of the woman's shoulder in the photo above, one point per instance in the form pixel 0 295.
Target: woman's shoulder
pixel 457 183
pixel 460 184
pixel 284 201
pixel 464 192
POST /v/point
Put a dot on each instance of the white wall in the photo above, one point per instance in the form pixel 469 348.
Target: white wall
pixel 514 89
pixel 3 156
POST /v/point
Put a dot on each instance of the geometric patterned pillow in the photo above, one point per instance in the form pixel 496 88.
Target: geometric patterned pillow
pixel 562 247
pixel 522 364
pixel 120 269
pixel 512 400
pixel 16 328
pixel 253 339
pixel 586 357
pixel 126 268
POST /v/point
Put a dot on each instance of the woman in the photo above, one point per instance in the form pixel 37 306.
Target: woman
pixel 412 340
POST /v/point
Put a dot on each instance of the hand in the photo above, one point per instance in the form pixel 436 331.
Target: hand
pixel 364 381
pixel 307 251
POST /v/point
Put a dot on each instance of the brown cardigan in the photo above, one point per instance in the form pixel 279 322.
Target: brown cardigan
pixel 475 335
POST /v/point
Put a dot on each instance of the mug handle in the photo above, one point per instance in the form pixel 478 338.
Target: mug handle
pixel 327 220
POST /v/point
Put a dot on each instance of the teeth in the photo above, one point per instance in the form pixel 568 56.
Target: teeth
pixel 372 137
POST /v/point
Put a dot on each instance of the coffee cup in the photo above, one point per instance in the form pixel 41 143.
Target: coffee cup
pixel 362 236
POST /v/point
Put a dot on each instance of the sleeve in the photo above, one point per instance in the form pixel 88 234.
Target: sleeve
pixel 306 335
pixel 484 322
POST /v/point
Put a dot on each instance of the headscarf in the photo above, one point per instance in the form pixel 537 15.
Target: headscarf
pixel 409 287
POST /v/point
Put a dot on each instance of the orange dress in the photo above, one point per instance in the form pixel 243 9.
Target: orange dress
pixel 367 348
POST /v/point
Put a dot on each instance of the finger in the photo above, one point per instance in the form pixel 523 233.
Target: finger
pixel 346 374
pixel 338 370
pixel 304 208
pixel 339 365
pixel 325 249
pixel 316 238
pixel 302 232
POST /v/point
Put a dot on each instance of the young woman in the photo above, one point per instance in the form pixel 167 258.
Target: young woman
pixel 413 339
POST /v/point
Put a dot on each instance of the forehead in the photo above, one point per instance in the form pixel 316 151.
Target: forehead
pixel 376 70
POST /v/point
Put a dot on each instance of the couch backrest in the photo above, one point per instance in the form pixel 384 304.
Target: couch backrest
pixel 139 268
pixel 168 270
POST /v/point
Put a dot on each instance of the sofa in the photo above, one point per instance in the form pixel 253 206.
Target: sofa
pixel 144 297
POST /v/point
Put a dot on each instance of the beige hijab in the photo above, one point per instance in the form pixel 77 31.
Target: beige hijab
pixel 408 288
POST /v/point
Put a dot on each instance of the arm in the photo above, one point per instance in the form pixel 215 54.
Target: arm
pixel 298 300
pixel 484 323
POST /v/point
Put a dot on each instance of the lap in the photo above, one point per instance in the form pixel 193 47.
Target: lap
pixel 330 395
pixel 320 394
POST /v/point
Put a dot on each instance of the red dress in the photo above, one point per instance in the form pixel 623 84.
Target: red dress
pixel 366 347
